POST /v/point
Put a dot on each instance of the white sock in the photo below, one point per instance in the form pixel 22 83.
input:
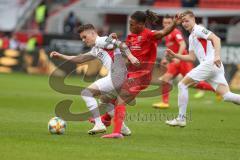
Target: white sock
pixel 182 100
pixel 92 105
pixel 98 121
pixel 232 97
pixel 123 125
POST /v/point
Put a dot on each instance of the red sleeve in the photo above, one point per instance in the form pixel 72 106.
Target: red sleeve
pixel 151 35
pixel 177 36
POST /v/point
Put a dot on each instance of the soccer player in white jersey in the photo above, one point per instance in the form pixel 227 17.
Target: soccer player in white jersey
pixel 205 46
pixel 108 51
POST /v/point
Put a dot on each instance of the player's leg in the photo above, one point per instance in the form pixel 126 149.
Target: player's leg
pixel 129 90
pixel 120 109
pixel 88 95
pixel 119 114
pixel 202 86
pixel 172 71
pixel 126 95
pixel 109 111
pixel 125 131
pixel 200 73
pixel 219 83
pixel 221 86
pixel 227 95
pixel 107 117
pixel 165 94
pixel 117 77
pixel 108 103
pixel 101 87
pixel 186 67
pixel 205 86
pixel 182 102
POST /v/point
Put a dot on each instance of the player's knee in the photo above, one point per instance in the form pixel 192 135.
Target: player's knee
pixel 227 96
pixel 86 93
pixel 102 102
pixel 88 98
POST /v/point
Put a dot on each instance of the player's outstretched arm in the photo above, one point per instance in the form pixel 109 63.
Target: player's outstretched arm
pixel 124 48
pixel 57 55
pixel 126 51
pixel 162 33
pixel 182 47
pixel 75 59
pixel 190 57
pixel 217 47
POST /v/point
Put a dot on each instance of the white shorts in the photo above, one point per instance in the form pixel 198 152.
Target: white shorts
pixel 209 72
pixel 105 84
pixel 110 84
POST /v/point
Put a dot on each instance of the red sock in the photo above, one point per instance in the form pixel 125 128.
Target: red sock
pixel 204 85
pixel 165 92
pixel 165 98
pixel 119 115
pixel 106 117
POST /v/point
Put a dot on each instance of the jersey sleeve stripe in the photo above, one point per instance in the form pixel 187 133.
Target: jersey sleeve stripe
pixel 204 44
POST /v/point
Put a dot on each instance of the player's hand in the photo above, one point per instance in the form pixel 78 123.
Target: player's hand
pixel 134 61
pixel 217 61
pixel 169 54
pixel 113 36
pixel 178 18
pixel 55 55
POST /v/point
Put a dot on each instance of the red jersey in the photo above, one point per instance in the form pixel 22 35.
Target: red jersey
pixel 173 39
pixel 172 42
pixel 144 47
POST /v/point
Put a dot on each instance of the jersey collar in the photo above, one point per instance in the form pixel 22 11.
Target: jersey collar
pixel 96 39
pixel 195 25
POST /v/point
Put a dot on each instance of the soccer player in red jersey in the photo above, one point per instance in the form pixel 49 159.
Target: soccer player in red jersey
pixel 176 43
pixel 143 44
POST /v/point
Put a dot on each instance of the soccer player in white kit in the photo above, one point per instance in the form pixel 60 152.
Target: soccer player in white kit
pixel 107 50
pixel 205 46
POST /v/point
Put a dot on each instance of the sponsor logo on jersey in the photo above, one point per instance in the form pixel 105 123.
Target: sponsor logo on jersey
pixel 109 40
pixel 205 31
pixel 135 48
pixel 100 54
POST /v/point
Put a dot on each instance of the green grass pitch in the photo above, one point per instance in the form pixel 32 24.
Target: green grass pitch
pixel 27 103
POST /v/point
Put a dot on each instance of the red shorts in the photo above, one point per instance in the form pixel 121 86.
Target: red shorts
pixel 181 68
pixel 137 81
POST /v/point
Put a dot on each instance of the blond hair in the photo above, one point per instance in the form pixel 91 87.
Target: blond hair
pixel 188 12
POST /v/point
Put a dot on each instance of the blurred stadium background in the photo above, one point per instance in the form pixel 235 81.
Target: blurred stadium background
pixel 29 29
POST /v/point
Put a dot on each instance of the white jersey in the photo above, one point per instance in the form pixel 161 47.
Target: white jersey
pixel 105 51
pixel 204 51
pixel 112 59
pixel 198 43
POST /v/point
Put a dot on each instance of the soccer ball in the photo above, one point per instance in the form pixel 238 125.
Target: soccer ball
pixel 56 125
